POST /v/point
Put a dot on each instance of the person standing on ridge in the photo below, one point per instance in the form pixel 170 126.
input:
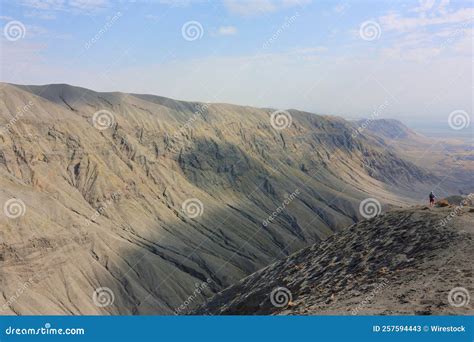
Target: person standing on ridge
pixel 432 198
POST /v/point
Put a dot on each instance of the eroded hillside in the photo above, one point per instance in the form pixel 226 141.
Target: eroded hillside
pixel 404 262
pixel 101 201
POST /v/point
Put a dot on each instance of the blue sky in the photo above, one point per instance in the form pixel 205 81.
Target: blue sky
pixel 403 59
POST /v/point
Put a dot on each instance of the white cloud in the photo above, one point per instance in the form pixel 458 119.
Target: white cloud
pixel 418 59
pixel 227 30
pixel 425 5
pixel 44 4
pixel 434 30
pixel 75 6
pixel 324 84
pixel 397 22
pixel 43 15
pixel 88 5
pixel 259 7
pixel 247 8
pixel 341 8
pixel 463 46
pixel 443 6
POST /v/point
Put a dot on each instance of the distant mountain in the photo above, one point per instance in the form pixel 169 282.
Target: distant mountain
pixel 386 128
pixel 147 196
pixel 451 159
pixel 404 262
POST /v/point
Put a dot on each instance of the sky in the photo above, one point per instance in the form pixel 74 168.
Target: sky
pixel 410 60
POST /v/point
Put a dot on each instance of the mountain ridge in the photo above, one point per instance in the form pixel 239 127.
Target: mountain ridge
pixel 106 206
pixel 383 266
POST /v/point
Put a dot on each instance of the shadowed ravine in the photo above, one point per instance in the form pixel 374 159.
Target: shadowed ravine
pixel 104 207
pixel 404 262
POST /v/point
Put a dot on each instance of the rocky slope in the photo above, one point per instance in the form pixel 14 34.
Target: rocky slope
pixel 406 261
pixel 386 129
pixel 450 159
pixel 99 182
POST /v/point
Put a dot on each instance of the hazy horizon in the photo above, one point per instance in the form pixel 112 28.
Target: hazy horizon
pixel 236 157
pixel 404 61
